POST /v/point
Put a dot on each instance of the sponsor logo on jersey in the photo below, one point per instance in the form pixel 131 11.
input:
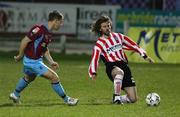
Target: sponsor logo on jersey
pixel 114 48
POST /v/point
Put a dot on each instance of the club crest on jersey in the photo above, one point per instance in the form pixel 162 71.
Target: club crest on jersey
pixel 35 30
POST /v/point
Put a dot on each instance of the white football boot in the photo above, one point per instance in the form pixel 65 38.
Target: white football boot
pixel 14 98
pixel 72 101
pixel 117 99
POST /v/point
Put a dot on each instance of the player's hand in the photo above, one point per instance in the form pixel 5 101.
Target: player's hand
pixel 149 59
pixel 17 58
pixel 54 65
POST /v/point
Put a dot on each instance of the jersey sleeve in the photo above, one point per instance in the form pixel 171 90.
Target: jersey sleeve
pixel 34 33
pixel 94 61
pixel 129 44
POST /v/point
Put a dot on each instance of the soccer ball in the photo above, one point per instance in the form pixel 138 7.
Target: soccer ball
pixel 153 99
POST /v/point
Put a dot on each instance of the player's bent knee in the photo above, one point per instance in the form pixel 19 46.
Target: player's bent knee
pixel 133 99
pixel 54 79
pixel 117 71
pixel 29 79
pixel 52 76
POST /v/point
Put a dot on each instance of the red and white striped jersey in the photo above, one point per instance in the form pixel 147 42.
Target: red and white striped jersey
pixel 112 49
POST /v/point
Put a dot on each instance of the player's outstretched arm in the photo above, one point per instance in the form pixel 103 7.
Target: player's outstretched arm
pixel 22 47
pixel 149 59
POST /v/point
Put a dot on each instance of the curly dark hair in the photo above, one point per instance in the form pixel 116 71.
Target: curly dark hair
pixel 96 26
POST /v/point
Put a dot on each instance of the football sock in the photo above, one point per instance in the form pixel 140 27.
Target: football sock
pixel 20 86
pixel 117 84
pixel 125 99
pixel 58 88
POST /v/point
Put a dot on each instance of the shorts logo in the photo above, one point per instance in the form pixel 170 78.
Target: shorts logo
pixel 41 67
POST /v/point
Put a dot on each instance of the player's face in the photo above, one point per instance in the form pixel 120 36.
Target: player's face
pixel 58 24
pixel 106 28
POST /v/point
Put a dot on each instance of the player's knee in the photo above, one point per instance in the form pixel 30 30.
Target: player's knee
pixel 29 79
pixel 133 99
pixel 54 78
pixel 117 71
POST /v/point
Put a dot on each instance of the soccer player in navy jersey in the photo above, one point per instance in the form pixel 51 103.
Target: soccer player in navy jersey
pixel 33 47
pixel 110 48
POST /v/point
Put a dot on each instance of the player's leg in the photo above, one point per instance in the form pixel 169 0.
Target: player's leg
pixel 131 95
pixel 128 85
pixel 118 75
pixel 57 87
pixel 21 85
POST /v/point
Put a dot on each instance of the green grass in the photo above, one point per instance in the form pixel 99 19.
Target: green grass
pixel 39 100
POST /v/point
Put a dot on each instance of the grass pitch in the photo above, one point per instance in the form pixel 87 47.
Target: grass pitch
pixel 39 100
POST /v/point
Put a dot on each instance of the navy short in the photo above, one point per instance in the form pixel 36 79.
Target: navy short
pixel 128 81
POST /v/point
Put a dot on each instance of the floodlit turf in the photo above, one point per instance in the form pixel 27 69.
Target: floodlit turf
pixel 39 100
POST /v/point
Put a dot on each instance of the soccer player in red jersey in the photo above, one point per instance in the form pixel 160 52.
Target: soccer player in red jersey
pixel 110 48
pixel 33 47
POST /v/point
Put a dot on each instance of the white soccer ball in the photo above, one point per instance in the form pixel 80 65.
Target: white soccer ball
pixel 153 99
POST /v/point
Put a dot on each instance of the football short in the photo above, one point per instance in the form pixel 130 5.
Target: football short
pixel 128 81
pixel 34 67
